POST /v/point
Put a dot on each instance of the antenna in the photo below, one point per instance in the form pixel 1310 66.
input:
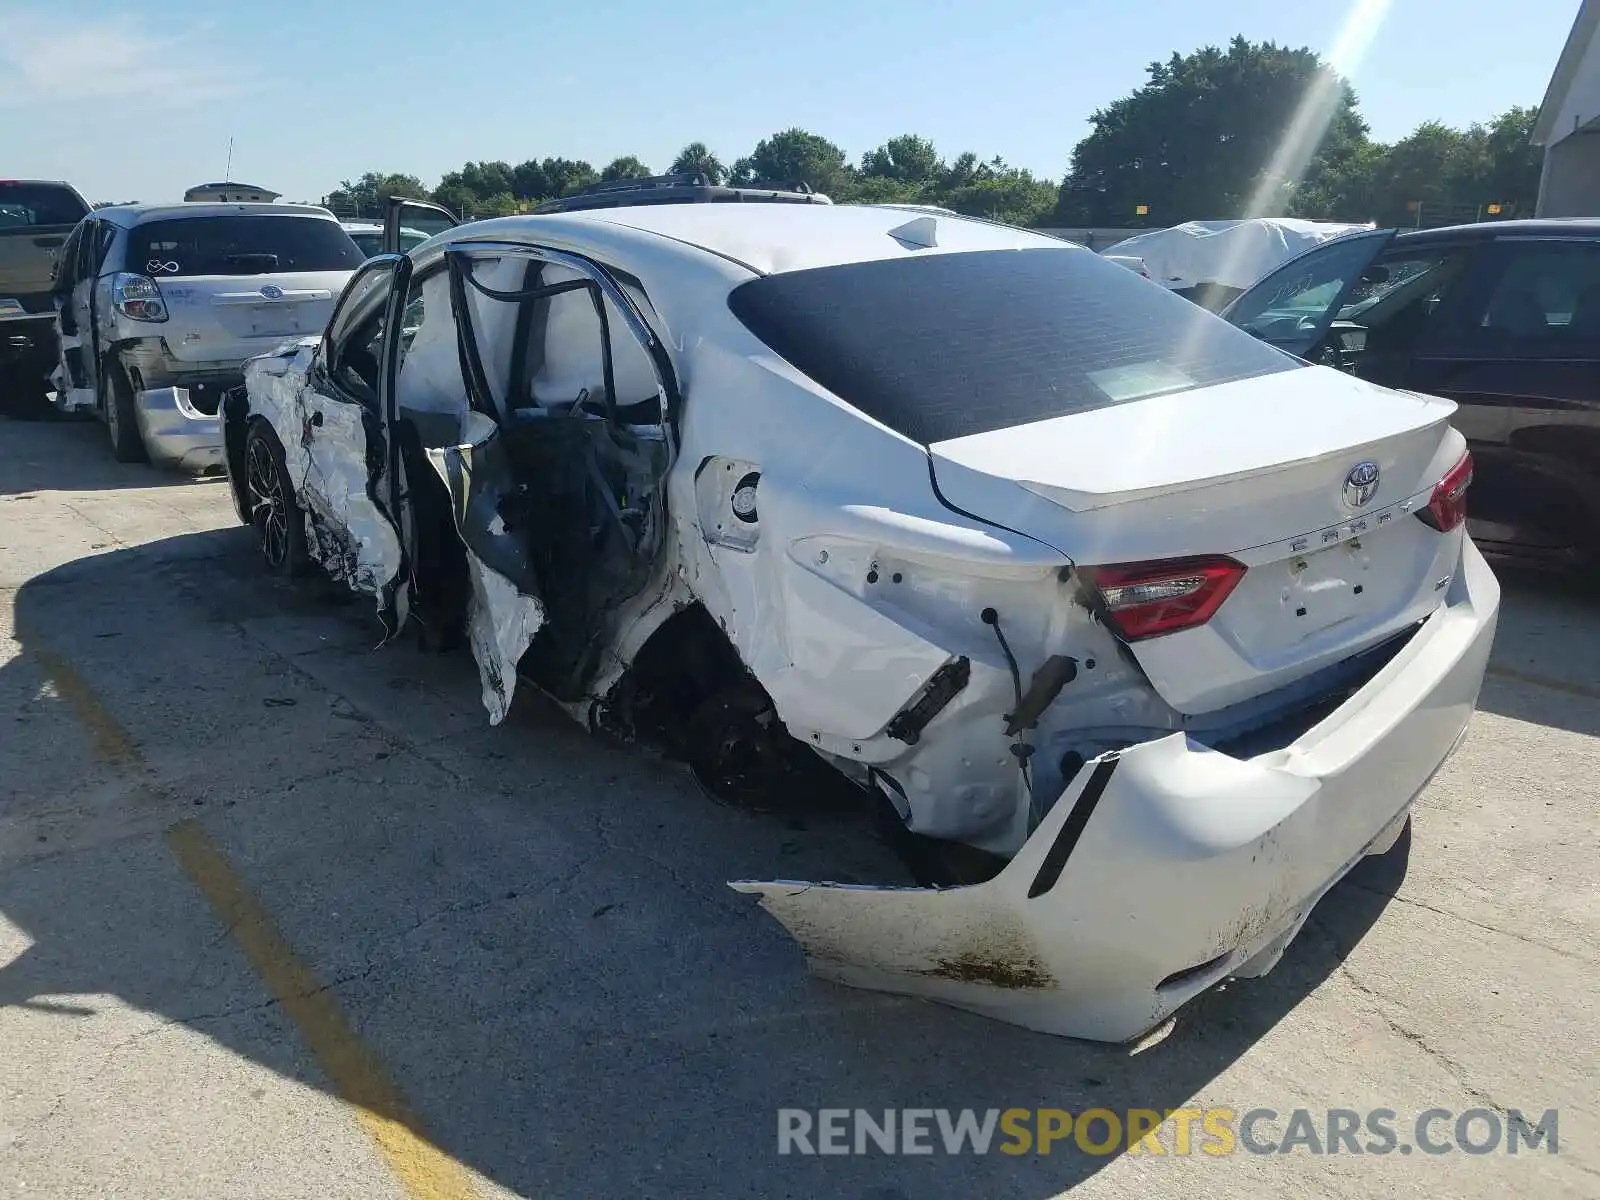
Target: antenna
pixel 228 174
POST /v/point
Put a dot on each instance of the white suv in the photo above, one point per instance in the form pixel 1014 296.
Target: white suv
pixel 160 305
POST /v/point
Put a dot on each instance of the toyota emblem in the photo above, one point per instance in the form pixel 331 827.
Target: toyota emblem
pixel 273 292
pixel 1361 485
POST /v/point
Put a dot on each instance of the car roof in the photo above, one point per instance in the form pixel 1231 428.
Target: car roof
pixel 129 215
pixel 772 238
pixel 1489 230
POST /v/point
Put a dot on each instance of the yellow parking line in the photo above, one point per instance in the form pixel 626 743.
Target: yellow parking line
pixel 424 1171
pixel 111 740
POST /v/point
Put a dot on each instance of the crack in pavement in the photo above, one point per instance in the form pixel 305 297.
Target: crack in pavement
pixel 1466 920
pixel 93 524
pixel 1378 1005
pixel 165 1024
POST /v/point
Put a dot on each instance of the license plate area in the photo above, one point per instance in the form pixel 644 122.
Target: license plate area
pixel 1322 588
pixel 267 320
pixel 1364 578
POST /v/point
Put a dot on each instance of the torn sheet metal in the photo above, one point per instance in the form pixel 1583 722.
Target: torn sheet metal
pixel 67 398
pixel 1161 870
pixel 325 447
pixel 500 628
pixel 506 609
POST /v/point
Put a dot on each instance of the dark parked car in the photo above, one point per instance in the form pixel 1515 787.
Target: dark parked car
pixel 1504 319
pixel 36 215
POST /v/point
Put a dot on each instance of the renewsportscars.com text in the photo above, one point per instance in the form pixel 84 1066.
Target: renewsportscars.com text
pixel 1214 1132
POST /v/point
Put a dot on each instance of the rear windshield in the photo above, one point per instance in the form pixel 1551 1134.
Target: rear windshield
pixel 39 204
pixel 241 245
pixel 956 344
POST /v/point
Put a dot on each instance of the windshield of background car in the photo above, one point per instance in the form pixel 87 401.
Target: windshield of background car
pixel 240 245
pixel 1296 297
pixel 39 204
pixel 370 243
pixel 951 345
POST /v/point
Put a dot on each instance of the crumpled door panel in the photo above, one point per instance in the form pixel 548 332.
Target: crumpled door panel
pixel 506 611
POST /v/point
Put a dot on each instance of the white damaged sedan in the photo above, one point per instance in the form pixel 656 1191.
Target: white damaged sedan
pixel 1157 629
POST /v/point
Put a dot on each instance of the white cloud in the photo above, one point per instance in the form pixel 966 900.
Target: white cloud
pixel 49 62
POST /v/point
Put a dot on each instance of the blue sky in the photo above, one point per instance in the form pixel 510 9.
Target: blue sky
pixel 130 105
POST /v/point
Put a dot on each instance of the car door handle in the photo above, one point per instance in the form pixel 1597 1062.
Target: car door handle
pixel 48 241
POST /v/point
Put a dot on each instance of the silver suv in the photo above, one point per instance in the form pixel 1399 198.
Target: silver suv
pixel 159 306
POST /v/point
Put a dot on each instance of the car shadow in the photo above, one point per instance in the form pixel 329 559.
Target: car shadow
pixel 530 925
pixel 70 453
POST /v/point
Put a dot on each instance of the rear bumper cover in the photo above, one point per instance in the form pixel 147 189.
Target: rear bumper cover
pixel 176 433
pixel 1167 867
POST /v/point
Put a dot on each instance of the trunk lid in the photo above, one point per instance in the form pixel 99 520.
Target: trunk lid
pixel 216 318
pixel 1256 470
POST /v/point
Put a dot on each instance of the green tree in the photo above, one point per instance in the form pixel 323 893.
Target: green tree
pixel 1450 173
pixel 1210 135
pixel 1509 164
pixel 697 156
pixel 795 154
pixel 529 182
pixel 366 196
pixel 905 159
pixel 566 175
pixel 1003 193
pixel 967 169
pixel 626 167
pixel 1343 186
pixel 874 189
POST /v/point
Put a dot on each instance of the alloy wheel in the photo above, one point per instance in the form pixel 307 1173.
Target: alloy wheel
pixel 269 513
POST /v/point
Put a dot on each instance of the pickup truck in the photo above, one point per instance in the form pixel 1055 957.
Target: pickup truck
pixel 36 216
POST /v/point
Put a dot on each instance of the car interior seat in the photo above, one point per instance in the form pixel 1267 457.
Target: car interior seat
pixel 1516 313
pixel 1584 324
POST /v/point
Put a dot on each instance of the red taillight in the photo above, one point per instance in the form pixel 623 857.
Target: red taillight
pixel 1447 507
pixel 1145 600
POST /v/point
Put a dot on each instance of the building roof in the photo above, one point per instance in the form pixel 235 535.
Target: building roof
pixel 1579 41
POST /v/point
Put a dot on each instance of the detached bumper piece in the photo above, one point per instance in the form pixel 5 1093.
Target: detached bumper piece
pixel 1166 867
pixel 179 434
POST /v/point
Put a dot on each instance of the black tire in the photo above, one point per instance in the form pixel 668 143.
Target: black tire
pixel 116 409
pixel 275 516
pixel 743 756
